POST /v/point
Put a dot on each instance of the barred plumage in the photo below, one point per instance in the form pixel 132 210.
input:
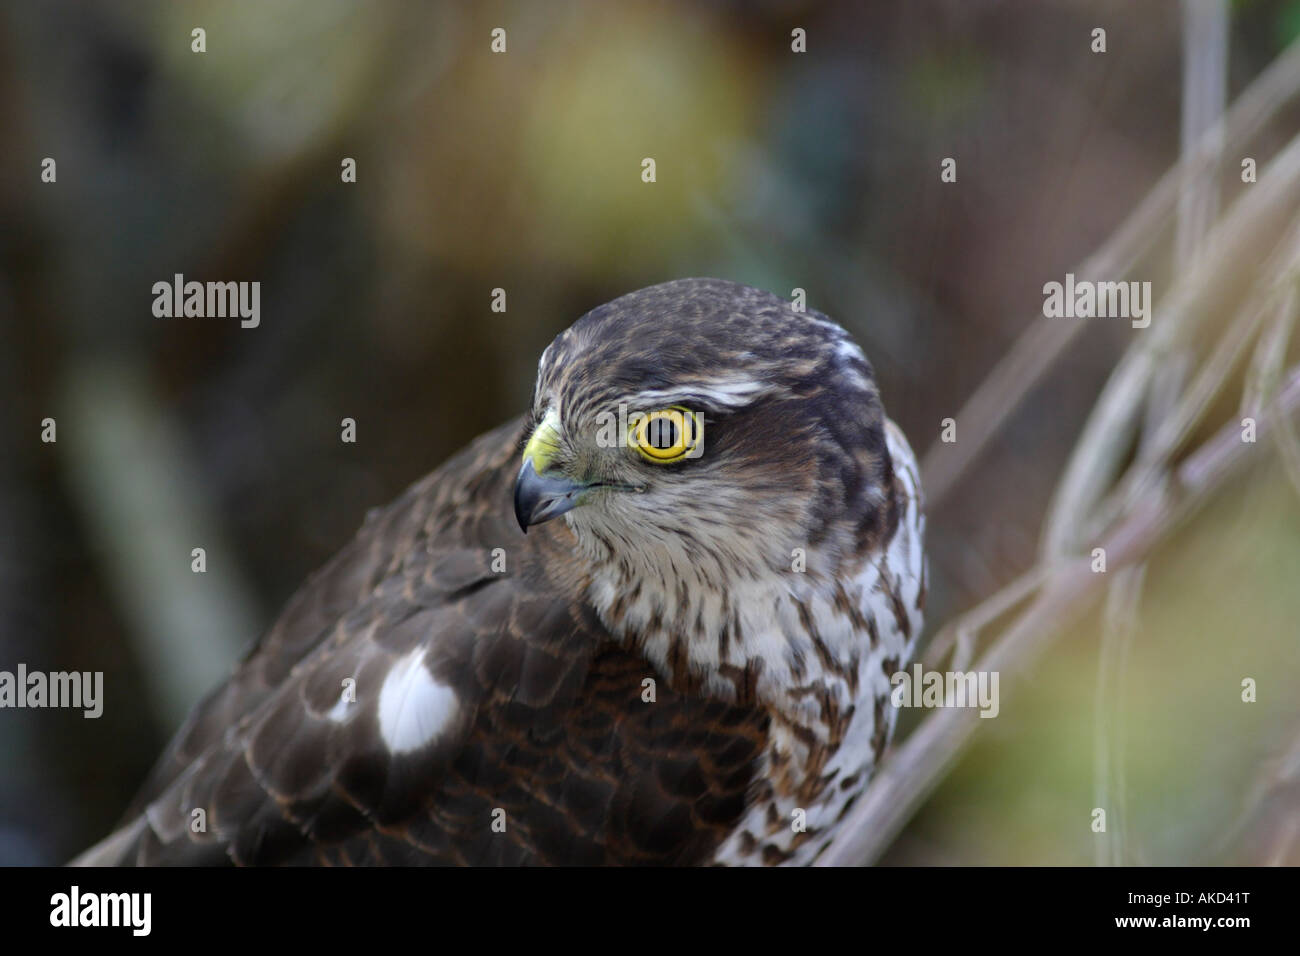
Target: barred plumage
pixel 691 667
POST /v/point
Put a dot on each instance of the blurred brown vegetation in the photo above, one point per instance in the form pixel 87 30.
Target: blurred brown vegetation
pixel 522 171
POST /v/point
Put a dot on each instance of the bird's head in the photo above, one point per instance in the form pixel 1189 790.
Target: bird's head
pixel 701 430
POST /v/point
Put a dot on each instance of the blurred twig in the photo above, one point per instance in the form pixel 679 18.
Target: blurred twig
pixel 1205 80
pixel 959 635
pixel 1127 502
pixel 917 765
pixel 1248 229
pixel 1266 366
pixel 1043 343
pixel 1265 832
pixel 125 465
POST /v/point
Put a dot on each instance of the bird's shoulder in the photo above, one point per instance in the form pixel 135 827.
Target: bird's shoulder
pixel 442 692
pixel 429 528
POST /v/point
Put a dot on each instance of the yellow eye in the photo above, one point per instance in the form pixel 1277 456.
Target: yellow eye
pixel 669 434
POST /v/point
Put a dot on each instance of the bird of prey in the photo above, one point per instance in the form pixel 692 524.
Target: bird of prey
pixel 653 621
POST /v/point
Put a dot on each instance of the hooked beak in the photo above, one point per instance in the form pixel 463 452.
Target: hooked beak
pixel 540 498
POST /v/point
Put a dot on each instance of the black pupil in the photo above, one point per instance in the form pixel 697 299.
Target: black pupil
pixel 663 433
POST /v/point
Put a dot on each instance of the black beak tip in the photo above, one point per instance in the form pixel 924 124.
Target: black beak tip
pixel 521 513
pixel 524 500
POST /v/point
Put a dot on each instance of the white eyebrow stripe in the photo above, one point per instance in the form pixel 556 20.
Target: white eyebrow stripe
pixel 729 394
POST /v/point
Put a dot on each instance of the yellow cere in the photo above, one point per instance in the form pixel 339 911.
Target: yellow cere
pixel 544 442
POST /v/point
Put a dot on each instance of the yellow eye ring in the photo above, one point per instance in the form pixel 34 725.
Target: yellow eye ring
pixel 669 434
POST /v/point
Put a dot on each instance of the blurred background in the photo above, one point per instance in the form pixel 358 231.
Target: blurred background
pixel 522 171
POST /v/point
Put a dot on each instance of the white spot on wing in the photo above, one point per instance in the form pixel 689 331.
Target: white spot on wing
pixel 413 707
